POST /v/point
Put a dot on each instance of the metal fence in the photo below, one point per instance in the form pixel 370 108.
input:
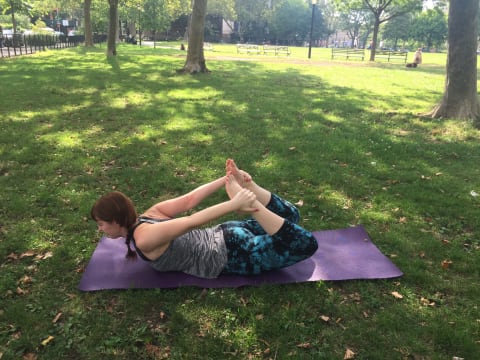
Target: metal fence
pixel 20 44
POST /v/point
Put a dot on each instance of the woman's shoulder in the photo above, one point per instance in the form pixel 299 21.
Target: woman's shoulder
pixel 151 219
pixel 153 213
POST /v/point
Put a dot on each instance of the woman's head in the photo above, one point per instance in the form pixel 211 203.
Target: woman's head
pixel 114 214
pixel 114 207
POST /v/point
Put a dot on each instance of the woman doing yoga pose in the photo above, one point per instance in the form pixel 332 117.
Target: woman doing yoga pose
pixel 269 239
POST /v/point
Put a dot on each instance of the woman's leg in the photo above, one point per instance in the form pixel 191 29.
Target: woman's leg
pixel 250 253
pixel 267 219
pixel 268 241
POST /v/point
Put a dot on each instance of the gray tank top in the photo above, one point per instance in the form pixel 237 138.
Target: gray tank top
pixel 200 252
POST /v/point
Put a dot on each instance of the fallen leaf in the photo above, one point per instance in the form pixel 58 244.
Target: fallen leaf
pixel 28 356
pixel 158 352
pixel 26 279
pixel 259 317
pixel 446 264
pixel 28 253
pixel 397 295
pixel 47 255
pixel 292 148
pixel 349 354
pixel 427 302
pixel 12 256
pixel 47 340
pixel 325 318
pixel 305 345
pixel 20 291
pixel 299 203
pixel 56 318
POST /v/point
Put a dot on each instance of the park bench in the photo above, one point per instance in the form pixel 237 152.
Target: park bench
pixel 248 48
pixel 276 49
pixel 391 55
pixel 348 53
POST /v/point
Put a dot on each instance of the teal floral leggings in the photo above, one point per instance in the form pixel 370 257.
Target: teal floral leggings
pixel 252 251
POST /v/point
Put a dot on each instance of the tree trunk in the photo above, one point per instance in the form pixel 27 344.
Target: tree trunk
pixel 14 21
pixel 373 48
pixel 112 28
pixel 87 5
pixel 195 62
pixel 460 99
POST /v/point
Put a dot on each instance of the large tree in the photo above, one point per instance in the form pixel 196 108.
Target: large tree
pixel 87 5
pixel 290 22
pixel 353 22
pixel 252 20
pixel 384 10
pixel 430 28
pixel 460 99
pixel 14 7
pixel 195 62
pixel 112 28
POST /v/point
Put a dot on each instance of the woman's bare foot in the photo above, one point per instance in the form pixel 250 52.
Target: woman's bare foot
pixel 233 188
pixel 243 178
pixel 231 185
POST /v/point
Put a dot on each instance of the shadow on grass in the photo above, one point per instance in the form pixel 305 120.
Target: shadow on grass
pixel 90 126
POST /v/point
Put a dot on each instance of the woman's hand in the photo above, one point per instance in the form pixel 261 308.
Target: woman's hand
pixel 244 201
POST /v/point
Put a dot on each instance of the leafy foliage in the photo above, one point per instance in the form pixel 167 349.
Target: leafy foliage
pixel 430 28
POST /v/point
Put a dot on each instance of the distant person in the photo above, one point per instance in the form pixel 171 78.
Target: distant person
pixel 417 59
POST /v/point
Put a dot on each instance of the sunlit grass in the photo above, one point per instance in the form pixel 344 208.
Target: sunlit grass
pixel 344 138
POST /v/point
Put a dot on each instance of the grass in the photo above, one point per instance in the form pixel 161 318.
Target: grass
pixel 346 138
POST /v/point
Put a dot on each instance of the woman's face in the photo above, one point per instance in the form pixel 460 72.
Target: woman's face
pixel 111 229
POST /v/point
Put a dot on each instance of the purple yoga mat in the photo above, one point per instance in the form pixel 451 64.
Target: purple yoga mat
pixel 343 254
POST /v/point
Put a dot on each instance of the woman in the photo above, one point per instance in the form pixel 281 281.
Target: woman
pixel 417 58
pixel 270 239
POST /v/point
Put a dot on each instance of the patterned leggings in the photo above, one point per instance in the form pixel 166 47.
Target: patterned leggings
pixel 252 251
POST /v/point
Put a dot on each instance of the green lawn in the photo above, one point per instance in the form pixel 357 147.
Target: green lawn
pixel 346 138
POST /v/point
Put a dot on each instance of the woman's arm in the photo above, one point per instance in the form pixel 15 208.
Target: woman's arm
pixel 170 208
pixel 153 239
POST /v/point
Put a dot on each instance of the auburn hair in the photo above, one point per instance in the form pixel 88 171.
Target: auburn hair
pixel 117 207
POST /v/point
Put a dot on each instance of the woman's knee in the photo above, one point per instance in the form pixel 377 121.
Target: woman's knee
pixel 296 237
pixel 283 208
